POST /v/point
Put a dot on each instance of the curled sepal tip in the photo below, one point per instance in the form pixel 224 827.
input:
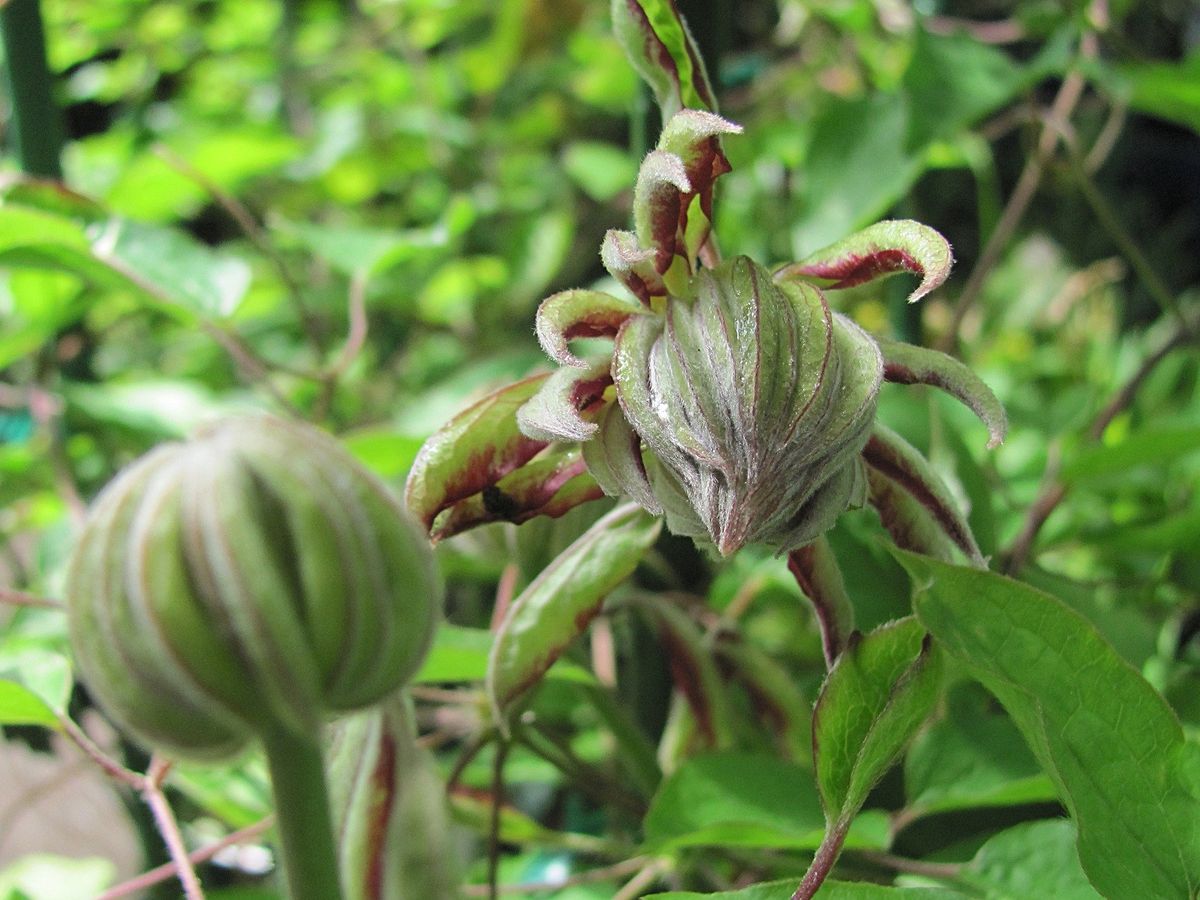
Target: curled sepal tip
pixel 878 251
pixel 567 315
pixel 909 364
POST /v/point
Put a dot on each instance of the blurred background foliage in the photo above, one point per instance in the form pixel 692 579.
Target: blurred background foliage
pixel 349 210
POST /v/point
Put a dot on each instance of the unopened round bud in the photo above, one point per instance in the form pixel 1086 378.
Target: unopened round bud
pixel 755 400
pixel 252 579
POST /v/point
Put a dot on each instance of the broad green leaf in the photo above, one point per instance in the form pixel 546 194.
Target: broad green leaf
pixel 1148 447
pixel 830 890
pixel 557 606
pixel 878 251
pixel 44 876
pixel 971 758
pixel 21 706
pixel 1034 859
pixel 953 81
pixel 173 267
pixel 746 800
pixel 32 668
pixel 881 689
pixel 239 794
pixel 856 168
pixel 601 170
pixel 1170 90
pixel 661 49
pixel 1111 744
pixel 364 251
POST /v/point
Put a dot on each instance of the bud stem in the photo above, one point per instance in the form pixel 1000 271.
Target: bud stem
pixel 302 812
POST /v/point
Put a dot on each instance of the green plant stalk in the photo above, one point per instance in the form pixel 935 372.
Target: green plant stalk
pixel 36 122
pixel 303 815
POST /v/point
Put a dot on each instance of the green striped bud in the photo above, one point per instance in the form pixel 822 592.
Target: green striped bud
pixel 755 400
pixel 252 579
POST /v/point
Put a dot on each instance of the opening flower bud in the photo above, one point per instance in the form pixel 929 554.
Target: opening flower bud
pixel 252 579
pixel 755 400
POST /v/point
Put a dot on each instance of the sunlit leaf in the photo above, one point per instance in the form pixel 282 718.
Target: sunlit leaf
pixel 1114 749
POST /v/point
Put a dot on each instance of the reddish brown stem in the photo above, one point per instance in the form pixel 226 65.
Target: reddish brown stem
pixel 823 861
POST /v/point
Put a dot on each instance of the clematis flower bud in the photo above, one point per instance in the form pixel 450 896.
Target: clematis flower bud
pixel 754 400
pixel 255 578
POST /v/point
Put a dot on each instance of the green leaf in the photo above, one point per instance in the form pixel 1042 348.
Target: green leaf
pixel 855 170
pixel 1034 859
pixel 971 758
pixel 1112 745
pixel 883 249
pixel 21 706
pixel 661 49
pixel 695 673
pixel 238 794
pixel 364 251
pixel 601 170
pixel 746 800
pixel 557 606
pixel 953 81
pixel 1147 447
pixel 35 668
pixel 881 689
pixel 44 876
pixel 173 267
pixel 830 890
pixel 1169 90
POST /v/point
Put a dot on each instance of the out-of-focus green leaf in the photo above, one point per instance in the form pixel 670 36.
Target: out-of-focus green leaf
pixel 48 877
pixel 21 706
pixel 746 800
pixel 1169 90
pixel 876 696
pixel 855 169
pixel 173 267
pixel 1148 447
pixel 1112 745
pixel 953 81
pixel 237 794
pixel 557 606
pixel 601 170
pixel 364 251
pixel 164 408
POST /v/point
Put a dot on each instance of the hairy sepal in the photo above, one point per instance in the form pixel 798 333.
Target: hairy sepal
pixel 580 314
pixel 883 249
pixel 554 413
pixel 909 364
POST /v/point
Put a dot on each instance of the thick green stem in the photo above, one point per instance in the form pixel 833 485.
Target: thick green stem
pixel 36 124
pixel 303 817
